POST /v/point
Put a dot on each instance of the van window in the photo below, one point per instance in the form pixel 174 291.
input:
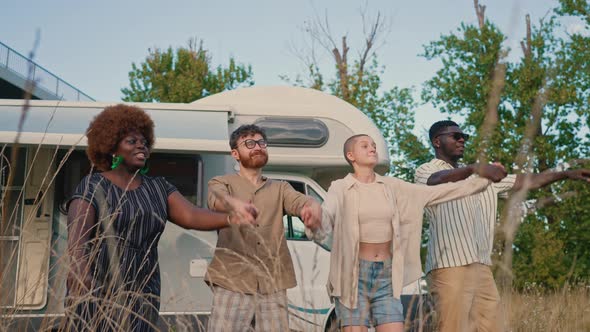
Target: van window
pixel 294 132
pixel 314 194
pixel 183 171
pixel 294 226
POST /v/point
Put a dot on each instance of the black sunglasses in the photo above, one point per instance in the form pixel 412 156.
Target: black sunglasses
pixel 250 143
pixel 457 136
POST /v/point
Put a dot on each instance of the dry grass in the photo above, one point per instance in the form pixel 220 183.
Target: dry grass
pixel 533 310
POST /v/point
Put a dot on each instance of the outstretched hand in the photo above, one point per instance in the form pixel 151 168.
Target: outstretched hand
pixel 579 174
pixel 494 172
pixel 241 213
pixel 311 214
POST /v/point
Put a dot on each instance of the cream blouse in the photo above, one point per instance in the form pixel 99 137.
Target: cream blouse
pixel 375 213
pixel 340 217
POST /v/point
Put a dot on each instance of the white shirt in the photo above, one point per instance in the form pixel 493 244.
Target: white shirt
pixel 461 232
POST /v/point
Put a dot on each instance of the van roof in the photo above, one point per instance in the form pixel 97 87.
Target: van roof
pixel 293 101
pixel 59 123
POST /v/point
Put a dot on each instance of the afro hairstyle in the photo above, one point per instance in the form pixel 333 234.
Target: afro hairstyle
pixel 110 126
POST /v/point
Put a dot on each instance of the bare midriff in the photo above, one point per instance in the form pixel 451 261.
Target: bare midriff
pixel 375 252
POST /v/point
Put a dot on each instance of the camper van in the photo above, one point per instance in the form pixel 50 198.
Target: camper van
pixel 306 130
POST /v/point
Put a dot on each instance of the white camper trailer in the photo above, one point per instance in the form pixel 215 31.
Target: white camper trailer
pixel 306 130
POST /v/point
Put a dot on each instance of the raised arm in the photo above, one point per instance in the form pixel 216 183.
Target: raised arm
pixel 329 209
pixel 81 221
pixel 432 195
pixel 305 207
pixel 219 199
pixel 538 180
pixel 294 201
pixel 186 215
pixel 490 171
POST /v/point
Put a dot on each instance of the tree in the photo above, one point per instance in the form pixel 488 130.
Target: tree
pixel 357 80
pixel 182 76
pixel 538 110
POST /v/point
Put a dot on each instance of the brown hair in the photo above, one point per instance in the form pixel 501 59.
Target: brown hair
pixel 243 131
pixel 110 126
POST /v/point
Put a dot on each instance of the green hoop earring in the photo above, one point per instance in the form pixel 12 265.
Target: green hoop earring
pixel 144 169
pixel 117 160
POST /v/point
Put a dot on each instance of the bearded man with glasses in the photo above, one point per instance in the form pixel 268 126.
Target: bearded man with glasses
pixel 461 232
pixel 252 268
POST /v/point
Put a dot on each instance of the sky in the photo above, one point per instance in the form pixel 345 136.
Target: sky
pixel 92 44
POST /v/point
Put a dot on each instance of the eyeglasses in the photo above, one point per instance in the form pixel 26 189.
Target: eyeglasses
pixel 456 135
pixel 250 143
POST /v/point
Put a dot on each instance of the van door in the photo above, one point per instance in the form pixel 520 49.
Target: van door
pixel 309 303
pixel 11 226
pixel 36 229
pixel 25 235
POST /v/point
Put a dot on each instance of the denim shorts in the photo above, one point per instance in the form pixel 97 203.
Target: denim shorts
pixel 376 304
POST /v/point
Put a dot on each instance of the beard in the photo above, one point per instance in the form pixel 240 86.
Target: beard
pixel 255 159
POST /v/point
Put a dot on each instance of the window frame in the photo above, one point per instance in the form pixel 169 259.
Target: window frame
pixel 300 121
pixel 289 230
pixel 198 172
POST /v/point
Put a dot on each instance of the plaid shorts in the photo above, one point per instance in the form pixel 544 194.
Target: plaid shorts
pixel 234 312
pixel 376 304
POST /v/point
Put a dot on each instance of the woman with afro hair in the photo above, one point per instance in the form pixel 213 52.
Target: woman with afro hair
pixel 115 219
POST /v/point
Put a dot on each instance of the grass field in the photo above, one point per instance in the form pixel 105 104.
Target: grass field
pixel 567 309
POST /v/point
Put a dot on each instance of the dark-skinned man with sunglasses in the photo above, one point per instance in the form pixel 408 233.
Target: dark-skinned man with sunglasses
pixel 461 232
pixel 252 268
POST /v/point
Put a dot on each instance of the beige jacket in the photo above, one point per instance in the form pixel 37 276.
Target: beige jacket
pixel 340 217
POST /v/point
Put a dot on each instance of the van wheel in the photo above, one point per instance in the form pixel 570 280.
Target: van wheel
pixel 333 324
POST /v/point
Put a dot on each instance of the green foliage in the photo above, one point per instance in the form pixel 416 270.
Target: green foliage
pixel 570 222
pixel 540 257
pixel 579 8
pixel 462 85
pixel 554 74
pixel 182 76
pixel 552 245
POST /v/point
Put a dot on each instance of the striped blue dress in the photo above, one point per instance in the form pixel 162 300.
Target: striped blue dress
pixel 127 293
